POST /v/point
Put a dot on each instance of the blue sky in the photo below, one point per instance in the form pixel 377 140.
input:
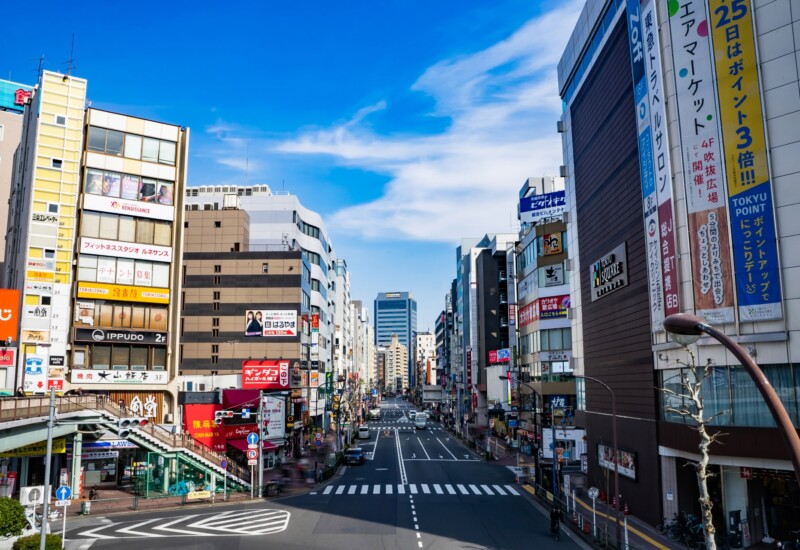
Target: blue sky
pixel 406 124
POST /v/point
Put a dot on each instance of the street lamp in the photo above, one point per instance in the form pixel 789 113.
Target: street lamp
pixel 687 329
pixel 536 424
pixel 618 497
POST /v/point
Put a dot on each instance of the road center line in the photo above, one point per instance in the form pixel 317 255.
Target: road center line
pixel 400 464
pixel 423 448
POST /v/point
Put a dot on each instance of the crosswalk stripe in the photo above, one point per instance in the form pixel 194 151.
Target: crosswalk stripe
pixel 327 490
pixel 511 490
pixel 376 489
pixel 486 488
pixel 438 490
pixel 475 489
pixel 463 490
pixel 413 489
pixel 450 489
pixel 352 490
pixel 425 488
pixel 401 489
pixel 389 489
pixel 364 489
pixel 499 490
pixel 340 489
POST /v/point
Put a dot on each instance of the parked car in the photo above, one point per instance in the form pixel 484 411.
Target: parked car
pixel 363 432
pixel 354 455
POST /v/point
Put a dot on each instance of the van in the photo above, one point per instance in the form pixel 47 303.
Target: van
pixel 363 432
pixel 421 421
pixel 412 415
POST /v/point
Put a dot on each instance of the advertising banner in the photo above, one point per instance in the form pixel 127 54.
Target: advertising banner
pixel 271 323
pixel 9 314
pixel 198 420
pixel 274 417
pixel 744 149
pixel 123 336
pixel 129 377
pixel 35 380
pixel 538 207
pixel 500 355
pixel 13 96
pixel 528 314
pixel 119 249
pixel 37 449
pixel 646 168
pixel 105 291
pixel 125 207
pixel 703 176
pixel 551 243
pixel 662 166
pixel 265 375
pixel 626 460
pixel 7 356
pixel 554 307
pixel 314 379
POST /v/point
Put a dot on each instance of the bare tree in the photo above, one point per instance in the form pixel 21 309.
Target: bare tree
pixel 692 408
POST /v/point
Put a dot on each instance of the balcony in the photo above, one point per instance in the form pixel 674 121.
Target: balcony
pixel 503 298
pixel 504 322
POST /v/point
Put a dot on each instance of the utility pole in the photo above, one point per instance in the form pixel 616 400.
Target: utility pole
pixel 260 416
pixel 51 421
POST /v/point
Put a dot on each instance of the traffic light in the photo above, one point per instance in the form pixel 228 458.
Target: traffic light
pixel 219 416
pixel 125 425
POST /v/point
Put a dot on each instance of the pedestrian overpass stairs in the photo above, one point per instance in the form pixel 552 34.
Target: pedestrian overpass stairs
pixel 23 421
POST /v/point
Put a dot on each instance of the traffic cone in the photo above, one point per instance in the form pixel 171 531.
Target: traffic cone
pixel 626 511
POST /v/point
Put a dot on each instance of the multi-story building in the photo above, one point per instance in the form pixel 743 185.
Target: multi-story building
pixel 699 219
pixel 462 348
pixel 280 219
pixel 93 236
pixel 12 105
pixel 396 366
pixel 396 314
pixel 380 367
pixel 343 358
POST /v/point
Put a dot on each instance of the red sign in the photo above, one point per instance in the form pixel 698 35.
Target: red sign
pixel 20 96
pixel 493 356
pixel 528 314
pixel 265 375
pixel 240 431
pixel 9 314
pixel 554 307
pixel 198 420
pixel 315 321
pixel 745 473
pixel 474 400
pixel 6 357
pixel 54 383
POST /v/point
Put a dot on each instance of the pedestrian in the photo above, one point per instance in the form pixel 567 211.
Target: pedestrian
pixel 123 407
pixel 20 392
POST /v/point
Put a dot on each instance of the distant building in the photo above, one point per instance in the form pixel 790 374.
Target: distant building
pixel 396 366
pixel 396 314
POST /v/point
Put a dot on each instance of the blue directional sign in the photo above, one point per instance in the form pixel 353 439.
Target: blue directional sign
pixel 223 464
pixel 245 413
pixel 252 438
pixel 63 492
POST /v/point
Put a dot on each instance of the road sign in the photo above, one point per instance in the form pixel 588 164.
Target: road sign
pixel 318 436
pixel 63 502
pixel 252 462
pixel 245 413
pixel 252 438
pixel 63 492
pixel 223 464
pixel 318 442
pixel 252 454
pixel 593 492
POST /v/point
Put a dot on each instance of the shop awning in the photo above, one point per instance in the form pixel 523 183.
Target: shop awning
pixel 241 444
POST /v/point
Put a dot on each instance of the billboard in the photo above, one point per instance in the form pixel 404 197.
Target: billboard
pixel 113 205
pixel 9 314
pixel 538 207
pixel 260 323
pixel 554 307
pixel 13 96
pixel 119 249
pixel 128 293
pixel 500 355
pixel 755 246
pixel 703 175
pixel 198 420
pixel 118 377
pixel 265 375
pixel 274 411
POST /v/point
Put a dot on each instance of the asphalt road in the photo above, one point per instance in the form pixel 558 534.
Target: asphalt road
pixel 417 489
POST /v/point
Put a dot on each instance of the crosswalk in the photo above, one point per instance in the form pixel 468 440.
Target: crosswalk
pixel 433 489
pixel 382 428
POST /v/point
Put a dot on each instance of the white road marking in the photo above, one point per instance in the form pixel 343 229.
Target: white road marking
pixel 462 489
pixel 450 489
pixel 167 526
pixel 130 530
pixel 438 489
pixel 425 488
pixel 376 489
pixel 499 490
pixel 423 448
pixel 475 489
pixel 511 490
pixel 389 489
pixel 352 490
pixel 413 489
pixel 488 491
pixel 401 465
pixel 364 489
pixel 327 490
pixel 446 449
pixel 401 489
pixel 340 489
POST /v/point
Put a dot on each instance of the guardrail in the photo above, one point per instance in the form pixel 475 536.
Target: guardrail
pixel 21 408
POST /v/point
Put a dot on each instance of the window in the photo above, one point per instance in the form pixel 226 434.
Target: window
pixel 101 357
pixel 265 268
pixel 150 149
pixel 214 348
pixel 166 152
pixel 215 306
pixel 127 229
pixel 214 359
pixel 59 120
pixel 215 332
pixel 217 269
pixel 217 224
pixel 215 321
pixel 160 358
pixel 216 294
pixel 49 254
pixel 133 147
pixel 216 279
pixel 56 164
pixel 52 208
pixel 106 141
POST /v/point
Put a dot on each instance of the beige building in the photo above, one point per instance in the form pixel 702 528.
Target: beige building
pixel 396 366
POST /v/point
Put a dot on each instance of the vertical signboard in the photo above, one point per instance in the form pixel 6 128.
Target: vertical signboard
pixel 703 177
pixel 646 169
pixel 9 315
pixel 661 157
pixel 744 149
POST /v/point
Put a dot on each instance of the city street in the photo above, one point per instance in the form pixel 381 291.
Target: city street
pixel 417 489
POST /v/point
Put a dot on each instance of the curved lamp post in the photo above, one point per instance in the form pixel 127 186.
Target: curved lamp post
pixel 686 329
pixel 618 497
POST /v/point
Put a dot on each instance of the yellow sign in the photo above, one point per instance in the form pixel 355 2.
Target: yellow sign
pixel 742 125
pixel 37 449
pixel 104 291
pixel 197 495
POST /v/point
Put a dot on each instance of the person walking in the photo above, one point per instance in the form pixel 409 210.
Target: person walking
pixel 123 407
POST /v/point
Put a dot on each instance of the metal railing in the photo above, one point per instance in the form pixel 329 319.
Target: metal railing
pixel 21 408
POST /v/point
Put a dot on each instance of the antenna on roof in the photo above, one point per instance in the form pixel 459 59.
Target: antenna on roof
pixel 40 69
pixel 70 63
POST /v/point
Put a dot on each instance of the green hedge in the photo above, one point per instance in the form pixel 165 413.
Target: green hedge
pixel 52 542
pixel 12 517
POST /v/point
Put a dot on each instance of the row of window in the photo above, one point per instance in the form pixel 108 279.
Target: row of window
pixel 554 339
pixel 101 313
pixel 308 229
pixel 120 357
pixel 128 186
pixel 114 142
pixel 114 227
pixel 122 271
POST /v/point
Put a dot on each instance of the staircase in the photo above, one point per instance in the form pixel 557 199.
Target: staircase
pixel 97 409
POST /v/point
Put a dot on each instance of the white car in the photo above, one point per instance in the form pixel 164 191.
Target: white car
pixel 363 432
pixel 421 421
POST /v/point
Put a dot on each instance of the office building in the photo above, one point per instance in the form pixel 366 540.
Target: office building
pixel 396 314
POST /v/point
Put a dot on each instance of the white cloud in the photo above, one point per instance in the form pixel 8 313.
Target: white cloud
pixel 502 103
